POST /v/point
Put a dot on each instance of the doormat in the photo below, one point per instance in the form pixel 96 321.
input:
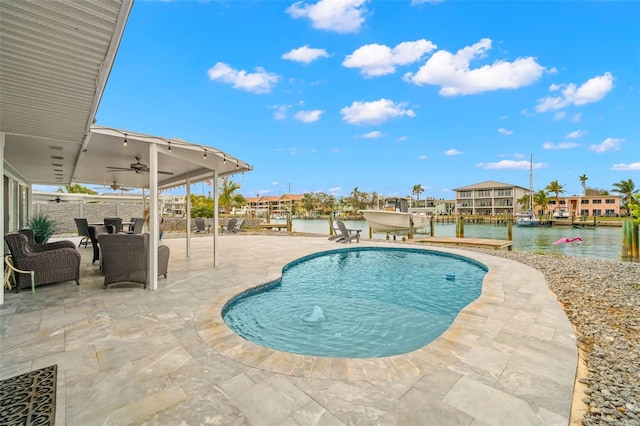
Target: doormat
pixel 30 398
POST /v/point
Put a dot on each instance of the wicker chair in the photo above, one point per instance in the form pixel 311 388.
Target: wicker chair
pixel 82 224
pixel 125 258
pixel 93 232
pixel 49 266
pixel 37 248
pixel 113 224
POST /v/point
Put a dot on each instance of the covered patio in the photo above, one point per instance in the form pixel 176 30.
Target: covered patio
pixel 55 60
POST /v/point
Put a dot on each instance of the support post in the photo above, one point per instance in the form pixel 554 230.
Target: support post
pixel 188 217
pixel 154 226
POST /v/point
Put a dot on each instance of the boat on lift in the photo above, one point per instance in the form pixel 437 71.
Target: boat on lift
pixel 396 219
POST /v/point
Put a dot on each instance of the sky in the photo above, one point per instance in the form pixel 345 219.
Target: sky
pixel 333 95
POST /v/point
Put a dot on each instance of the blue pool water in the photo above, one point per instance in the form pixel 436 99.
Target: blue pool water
pixel 355 303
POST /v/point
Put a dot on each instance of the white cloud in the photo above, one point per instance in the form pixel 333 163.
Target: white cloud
pixel 504 131
pixel 452 152
pixel 308 116
pixel 631 167
pixel 374 112
pixel 259 82
pixel 341 16
pixel 452 72
pixel 561 145
pixel 373 135
pixel 576 118
pixel 423 157
pixel 417 2
pixel 559 115
pixel 576 134
pixel 592 90
pixel 609 144
pixel 280 111
pixel 510 164
pixel 377 59
pixel 335 189
pixel 402 138
pixel 305 54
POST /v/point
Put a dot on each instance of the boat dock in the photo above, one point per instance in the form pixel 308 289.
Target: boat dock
pixel 467 242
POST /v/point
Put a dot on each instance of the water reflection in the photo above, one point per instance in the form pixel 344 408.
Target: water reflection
pixel 600 243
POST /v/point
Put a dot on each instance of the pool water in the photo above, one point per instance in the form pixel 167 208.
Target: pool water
pixel 356 303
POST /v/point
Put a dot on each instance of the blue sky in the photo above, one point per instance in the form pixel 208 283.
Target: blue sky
pixel 382 95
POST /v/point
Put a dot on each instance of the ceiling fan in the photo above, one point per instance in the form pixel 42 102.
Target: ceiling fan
pixel 115 186
pixel 137 167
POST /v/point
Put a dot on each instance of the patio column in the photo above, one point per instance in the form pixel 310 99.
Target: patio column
pixel 154 228
pixel 2 210
pixel 188 218
pixel 215 218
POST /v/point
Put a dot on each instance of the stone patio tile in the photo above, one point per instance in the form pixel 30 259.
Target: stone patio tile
pixel 490 405
pixel 439 383
pixel 268 402
pixel 352 402
pixel 78 362
pixel 321 368
pixel 90 398
pixel 315 414
pixel 482 363
pixel 36 348
pixel 162 363
pixel 133 413
pixel 424 408
pixel 119 352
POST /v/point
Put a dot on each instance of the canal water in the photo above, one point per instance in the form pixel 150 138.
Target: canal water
pixel 599 243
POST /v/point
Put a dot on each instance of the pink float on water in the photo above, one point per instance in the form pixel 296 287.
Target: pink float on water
pixel 568 240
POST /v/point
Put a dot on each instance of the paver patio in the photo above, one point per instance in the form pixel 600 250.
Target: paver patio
pixel 131 356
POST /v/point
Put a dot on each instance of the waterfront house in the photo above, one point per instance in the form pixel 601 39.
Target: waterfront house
pixel 489 198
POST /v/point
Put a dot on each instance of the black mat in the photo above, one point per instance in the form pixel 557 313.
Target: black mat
pixel 30 398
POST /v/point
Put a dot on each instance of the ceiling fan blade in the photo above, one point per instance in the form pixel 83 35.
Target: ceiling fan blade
pixel 118 169
pixel 165 173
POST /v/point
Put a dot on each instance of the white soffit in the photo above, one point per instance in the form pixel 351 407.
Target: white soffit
pixel 55 59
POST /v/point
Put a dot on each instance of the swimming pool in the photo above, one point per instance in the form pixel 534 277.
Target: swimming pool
pixel 358 302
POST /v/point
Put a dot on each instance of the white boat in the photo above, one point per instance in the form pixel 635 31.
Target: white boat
pixel 395 219
pixel 384 221
pixel 561 213
pixel 528 219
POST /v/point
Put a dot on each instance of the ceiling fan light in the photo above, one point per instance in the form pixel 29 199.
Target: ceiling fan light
pixel 169 149
pixel 205 154
pixel 124 143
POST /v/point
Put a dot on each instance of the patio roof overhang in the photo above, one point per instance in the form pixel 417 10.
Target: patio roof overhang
pixel 55 60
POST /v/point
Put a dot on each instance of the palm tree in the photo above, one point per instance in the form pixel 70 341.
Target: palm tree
pixel 227 197
pixel 626 188
pixel 417 190
pixel 557 189
pixel 524 201
pixel 541 199
pixel 583 182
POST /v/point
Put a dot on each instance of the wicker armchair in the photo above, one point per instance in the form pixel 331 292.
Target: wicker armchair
pixel 37 248
pixel 125 258
pixel 49 266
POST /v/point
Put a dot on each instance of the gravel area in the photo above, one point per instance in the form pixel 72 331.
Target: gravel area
pixel 602 300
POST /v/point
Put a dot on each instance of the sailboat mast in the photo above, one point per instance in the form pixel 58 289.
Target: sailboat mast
pixel 531 184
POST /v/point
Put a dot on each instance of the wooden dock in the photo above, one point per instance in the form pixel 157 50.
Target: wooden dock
pixel 467 242
pixel 273 225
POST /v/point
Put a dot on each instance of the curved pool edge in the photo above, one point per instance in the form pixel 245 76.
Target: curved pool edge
pixel 515 313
